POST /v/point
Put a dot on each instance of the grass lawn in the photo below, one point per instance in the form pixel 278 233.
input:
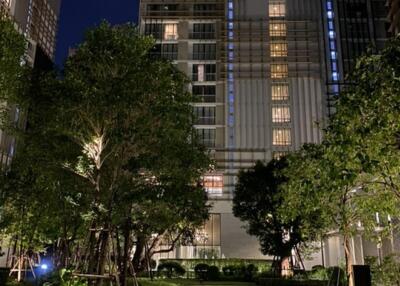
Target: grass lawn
pixel 189 282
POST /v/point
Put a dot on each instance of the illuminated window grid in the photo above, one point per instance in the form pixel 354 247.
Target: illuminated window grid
pixel 279 155
pixel 281 137
pixel 279 71
pixel 281 113
pixel 213 184
pixel 170 32
pixel 277 9
pixel 277 29
pixel 280 92
pixel 279 49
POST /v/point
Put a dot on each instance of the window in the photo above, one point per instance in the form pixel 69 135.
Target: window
pixel 204 51
pixel 278 49
pixel 204 9
pixel 279 70
pixel 281 114
pixel 281 137
pixel 205 92
pixel 279 155
pixel 162 32
pixel 154 30
pixel 167 51
pixel 277 10
pixel 162 9
pixel 204 72
pixel 280 92
pixel 213 184
pixel 203 31
pixel 277 29
pixel 205 115
pixel 207 137
pixel 170 31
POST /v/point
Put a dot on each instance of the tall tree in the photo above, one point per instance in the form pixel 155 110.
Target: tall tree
pixel 257 200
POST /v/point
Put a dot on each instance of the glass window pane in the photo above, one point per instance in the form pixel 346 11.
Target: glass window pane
pixel 281 137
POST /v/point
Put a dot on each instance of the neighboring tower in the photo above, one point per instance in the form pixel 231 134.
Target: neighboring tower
pixel 257 66
pixel 394 16
pixel 352 27
pixel 37 20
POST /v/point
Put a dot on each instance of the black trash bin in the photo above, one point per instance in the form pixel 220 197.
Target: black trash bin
pixel 362 275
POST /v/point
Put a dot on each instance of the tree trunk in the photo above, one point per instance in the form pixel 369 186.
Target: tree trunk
pixel 138 255
pixel 103 251
pixel 349 260
pixel 92 263
pixel 127 247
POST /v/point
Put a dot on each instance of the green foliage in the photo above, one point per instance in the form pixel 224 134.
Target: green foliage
pixel 64 277
pixel 386 273
pixel 353 174
pixel 171 269
pixel 257 200
pixel 213 273
pixel 201 271
pixel 289 282
pixel 155 283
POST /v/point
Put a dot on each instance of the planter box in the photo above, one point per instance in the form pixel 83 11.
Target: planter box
pixel 288 282
pixel 4 272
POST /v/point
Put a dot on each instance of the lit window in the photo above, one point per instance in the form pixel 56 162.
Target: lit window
pixel 279 155
pixel 213 184
pixel 281 137
pixel 280 114
pixel 280 92
pixel 278 49
pixel 170 32
pixel 277 29
pixel 277 10
pixel 204 72
pixel 279 70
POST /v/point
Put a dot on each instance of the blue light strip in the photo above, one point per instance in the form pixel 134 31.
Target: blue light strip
pixel 333 55
pixel 231 95
pixel 230 81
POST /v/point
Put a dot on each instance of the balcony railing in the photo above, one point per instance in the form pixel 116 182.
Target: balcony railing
pixel 207 77
pixel 205 121
pixel 202 35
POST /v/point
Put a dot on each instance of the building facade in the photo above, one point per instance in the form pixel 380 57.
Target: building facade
pixel 257 68
pixel 351 28
pixel 394 16
pixel 37 20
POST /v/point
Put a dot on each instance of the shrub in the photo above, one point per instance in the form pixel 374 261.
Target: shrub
pixel 289 282
pixel 213 273
pixel 320 273
pixel 171 269
pixel 387 273
pixel 250 272
pixel 201 271
pixel 154 283
pixel 228 270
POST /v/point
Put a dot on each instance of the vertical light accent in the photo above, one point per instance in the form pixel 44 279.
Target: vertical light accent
pixel 333 55
pixel 231 86
pixel 281 114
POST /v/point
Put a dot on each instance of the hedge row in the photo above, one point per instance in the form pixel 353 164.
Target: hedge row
pixel 288 282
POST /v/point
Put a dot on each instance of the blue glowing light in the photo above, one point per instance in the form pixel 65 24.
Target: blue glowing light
pixel 44 267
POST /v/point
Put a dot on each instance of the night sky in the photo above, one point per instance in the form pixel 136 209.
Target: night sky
pixel 76 16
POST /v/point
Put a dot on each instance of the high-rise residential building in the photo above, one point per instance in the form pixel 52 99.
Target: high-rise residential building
pixel 37 20
pixel 257 67
pixel 394 16
pixel 351 28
